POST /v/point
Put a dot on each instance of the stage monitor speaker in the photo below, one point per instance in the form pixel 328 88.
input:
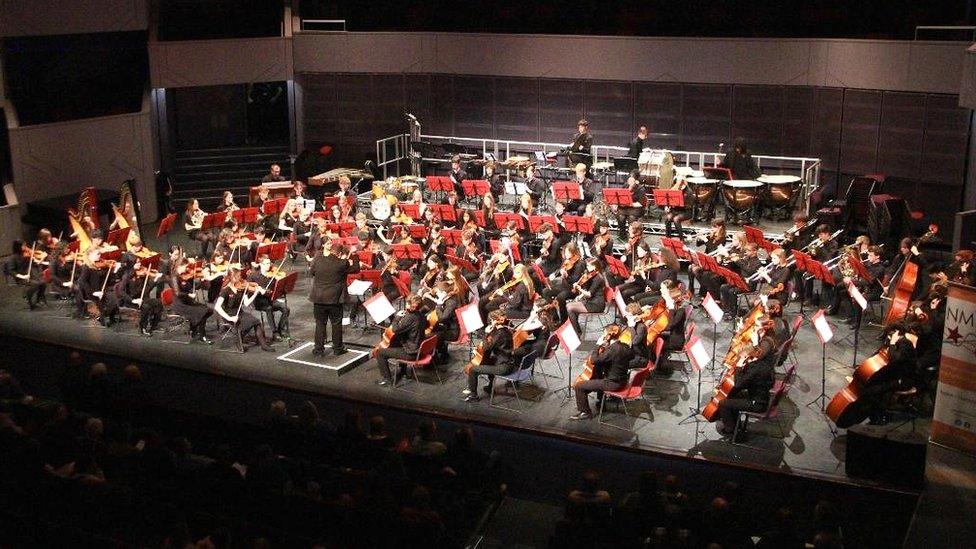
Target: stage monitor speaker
pixel 880 453
pixel 888 221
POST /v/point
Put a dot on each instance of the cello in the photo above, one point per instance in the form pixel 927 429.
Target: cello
pixel 733 363
pixel 610 333
pixel 843 409
pixel 904 287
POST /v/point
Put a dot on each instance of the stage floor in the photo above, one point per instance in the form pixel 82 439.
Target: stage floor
pixel 809 448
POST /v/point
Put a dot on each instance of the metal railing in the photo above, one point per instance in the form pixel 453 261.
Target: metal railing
pixel 390 151
pixel 323 25
pixel 947 32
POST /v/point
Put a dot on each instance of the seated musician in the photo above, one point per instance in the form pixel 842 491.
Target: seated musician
pixel 236 295
pixel 643 350
pixel 641 273
pixel 635 211
pixel 536 186
pixel 472 254
pixel 539 326
pixel 137 285
pixel 408 332
pixel 746 266
pixel 212 279
pixel 907 251
pixel 433 268
pixel 929 314
pixel 446 300
pixel 496 184
pixel 870 288
pixel 562 280
pixel 193 223
pixel 496 355
pixel 588 190
pixel 776 275
pixel 319 235
pixel 665 270
pixel 823 249
pixel 25 264
pixel 589 292
pixel 363 231
pixel 263 278
pixel 753 380
pixel 93 275
pixel 496 273
pixel 781 328
pixel 469 227
pixel 714 238
pixel 488 209
pixel 63 267
pixel 740 162
pixel 961 269
pixel 273 176
pixel 602 241
pixel 435 243
pixel 457 174
pixel 514 297
pixel 901 372
pixel 611 363
pixel 227 203
pixel 548 257
pixel 345 191
pixel 185 303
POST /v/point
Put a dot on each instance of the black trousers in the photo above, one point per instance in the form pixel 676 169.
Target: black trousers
pixel 331 312
pixel 490 370
pixel 384 356
pixel 729 410
pixel 584 388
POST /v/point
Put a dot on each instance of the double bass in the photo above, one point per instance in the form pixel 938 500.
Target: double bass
pixel 904 287
pixel 843 409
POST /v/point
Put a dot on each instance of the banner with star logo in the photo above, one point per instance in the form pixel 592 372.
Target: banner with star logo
pixel 954 418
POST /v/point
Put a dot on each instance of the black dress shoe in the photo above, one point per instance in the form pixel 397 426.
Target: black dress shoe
pixel 318 352
pixel 340 352
pixel 206 340
pixel 581 415
pixel 384 383
pixel 471 398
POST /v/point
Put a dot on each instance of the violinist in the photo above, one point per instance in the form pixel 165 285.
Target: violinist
pixel 46 242
pixel 635 237
pixel 674 334
pixel 611 365
pixel 753 380
pixel 472 254
pixel 230 305
pixel 643 350
pixel 549 259
pixel 137 287
pixel 363 231
pixel 434 267
pixel 539 326
pixel 263 278
pixel 442 320
pixel 537 188
pixel 193 223
pixel 185 303
pixel 496 272
pixel 602 243
pixel 589 290
pixel 496 354
pixel 435 242
pixel 27 270
pixel 93 275
pixel 213 275
pixel 227 203
pixel 515 296
pixel 63 268
pixel 665 269
pixel 468 223
pixel 408 328
pixel 319 236
pixel 634 212
pixel 525 208
pixel 746 266
pixel 561 282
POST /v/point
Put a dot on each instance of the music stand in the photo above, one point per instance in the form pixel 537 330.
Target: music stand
pixel 617 267
pixel 365 257
pixel 502 218
pixel 445 212
pixel 513 250
pixel 411 210
pixel 475 188
pixel 462 263
pixel 407 251
pixel 213 221
pixel 349 241
pixel 165 226
pixel 753 235
pixel 452 237
pixel 118 237
pixel 564 191
pixel 479 217
pixel 439 184
pixel 284 286
pixel 346 228
pixel 859 269
pixel 578 224
pixel 537 221
pixel 275 251
pixel 618 197
pixel 322 214
pixel 417 231
pixel 375 278
pixel 669 198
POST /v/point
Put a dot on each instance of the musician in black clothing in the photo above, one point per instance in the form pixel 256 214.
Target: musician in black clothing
pixel 274 175
pixel 633 212
pixel 263 278
pixel 740 162
pixel 496 355
pixel 907 251
pixel 611 364
pixel 27 272
pixel 776 275
pixel 446 328
pixel 408 333
pixel 231 304
pixel 581 149
pixel 638 143
pixel 329 272
pixel 823 249
pixel 588 190
pixel 746 266
pixel 643 349
pixel 901 373
pixel 495 182
pixel 590 296
pixel 536 186
pixel 753 381
pixel 870 288
pixel 457 174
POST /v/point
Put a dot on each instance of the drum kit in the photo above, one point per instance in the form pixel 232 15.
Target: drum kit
pixel 392 190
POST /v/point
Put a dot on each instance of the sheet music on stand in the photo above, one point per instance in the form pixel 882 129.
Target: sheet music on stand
pixel 359 287
pixel 516 187
pixel 379 307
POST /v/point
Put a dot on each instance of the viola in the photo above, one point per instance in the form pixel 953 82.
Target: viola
pixel 657 320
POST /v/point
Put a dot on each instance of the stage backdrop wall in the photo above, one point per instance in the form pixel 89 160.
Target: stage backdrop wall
pixel 918 138
pixel 37 17
pixel 56 159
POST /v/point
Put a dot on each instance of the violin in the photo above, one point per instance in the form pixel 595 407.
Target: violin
pixel 569 263
pixel 192 271
pixel 479 353
pixel 31 253
pixel 146 271
pixel 585 279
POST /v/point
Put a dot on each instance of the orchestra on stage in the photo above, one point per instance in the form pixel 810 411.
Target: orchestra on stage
pixel 534 258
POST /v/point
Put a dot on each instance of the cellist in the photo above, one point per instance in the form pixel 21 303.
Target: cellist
pixel 496 355
pixel 407 331
pixel 442 320
pixel 753 381
pixel 611 364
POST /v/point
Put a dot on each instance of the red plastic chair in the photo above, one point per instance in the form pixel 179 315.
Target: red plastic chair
pixel 634 390
pixel 425 355
pixel 772 412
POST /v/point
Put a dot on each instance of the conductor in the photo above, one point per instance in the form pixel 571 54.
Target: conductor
pixel 329 270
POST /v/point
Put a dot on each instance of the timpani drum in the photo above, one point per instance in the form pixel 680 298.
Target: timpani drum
pixel 781 192
pixel 741 197
pixel 703 194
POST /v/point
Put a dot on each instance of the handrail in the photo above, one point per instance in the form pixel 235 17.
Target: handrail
pixel 970 28
pixel 337 22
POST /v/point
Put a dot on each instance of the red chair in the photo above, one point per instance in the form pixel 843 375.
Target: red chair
pixel 772 412
pixel 632 391
pixel 425 355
